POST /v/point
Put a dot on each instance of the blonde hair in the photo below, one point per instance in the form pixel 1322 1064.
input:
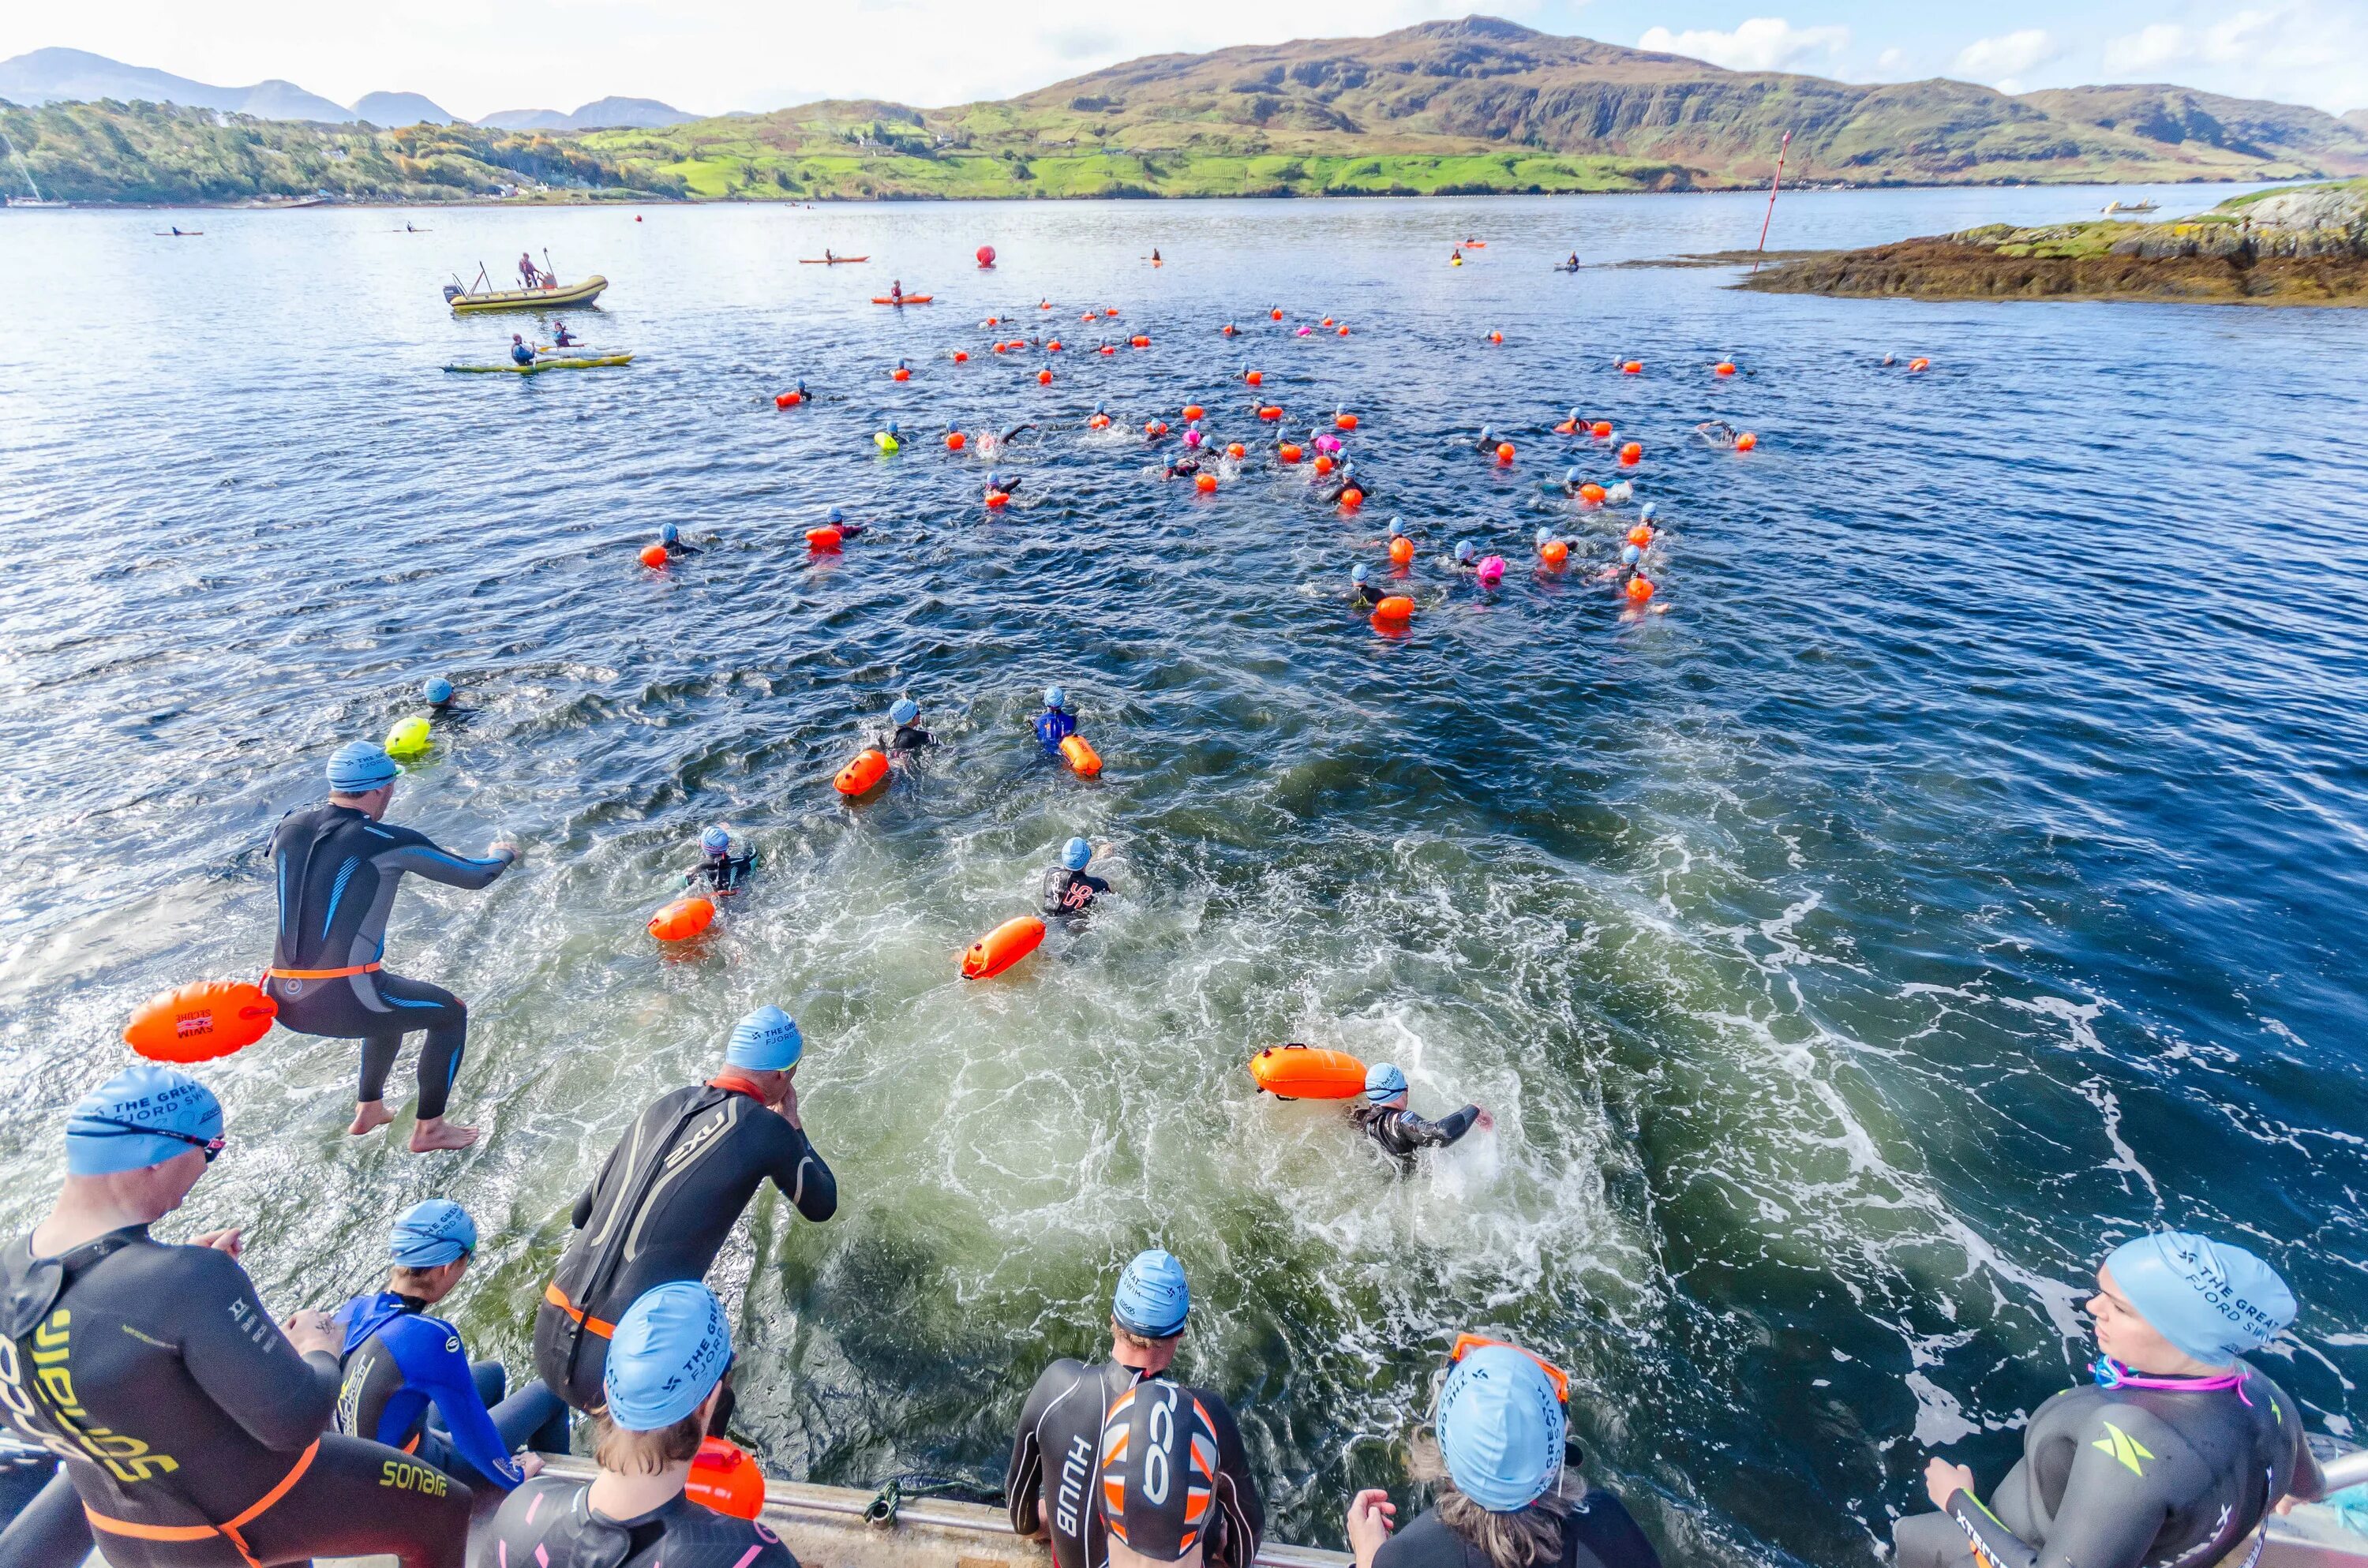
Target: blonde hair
pixel 1133 1340
pixel 623 1452
pixel 1526 1537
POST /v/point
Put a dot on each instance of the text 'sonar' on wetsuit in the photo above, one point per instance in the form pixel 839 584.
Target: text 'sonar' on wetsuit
pixel 1597 1532
pixel 338 873
pixel 549 1523
pixel 1057 1454
pixel 399 1362
pixel 2127 1478
pixel 1401 1132
pixel 666 1199
pixel 1070 893
pixel 191 1427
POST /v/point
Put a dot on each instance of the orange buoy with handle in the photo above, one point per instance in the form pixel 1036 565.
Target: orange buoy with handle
pixel 722 1478
pixel 1633 368
pixel 1002 947
pixel 1639 589
pixel 682 919
pixel 864 775
pixel 1297 1072
pixel 1401 552
pixel 1194 410
pixel 200 1021
pixel 1397 607
pixel 1344 421
pixel 823 539
pixel 1591 493
pixel 1080 755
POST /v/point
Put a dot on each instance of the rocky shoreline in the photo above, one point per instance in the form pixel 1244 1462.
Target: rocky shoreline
pixel 2306 245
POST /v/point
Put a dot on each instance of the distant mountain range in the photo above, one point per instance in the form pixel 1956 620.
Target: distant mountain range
pixel 72 75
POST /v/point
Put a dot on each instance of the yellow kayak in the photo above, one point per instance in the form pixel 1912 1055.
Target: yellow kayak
pixel 590 363
pixel 582 293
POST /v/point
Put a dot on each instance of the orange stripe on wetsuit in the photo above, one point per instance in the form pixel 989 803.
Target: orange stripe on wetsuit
pixel 228 1529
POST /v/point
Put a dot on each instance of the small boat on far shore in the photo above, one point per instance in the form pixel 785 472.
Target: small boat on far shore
pixel 2112 207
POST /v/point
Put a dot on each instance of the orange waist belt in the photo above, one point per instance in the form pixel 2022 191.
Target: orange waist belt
pixel 228 1529
pixel 322 973
pixel 558 1298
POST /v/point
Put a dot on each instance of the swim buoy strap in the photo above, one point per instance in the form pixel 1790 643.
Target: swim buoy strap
pixel 558 1298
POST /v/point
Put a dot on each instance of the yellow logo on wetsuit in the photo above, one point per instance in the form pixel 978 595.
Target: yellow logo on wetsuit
pixel 405 1476
pixel 2124 1448
pixel 125 1458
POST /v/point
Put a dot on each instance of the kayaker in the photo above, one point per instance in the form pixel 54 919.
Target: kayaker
pixel 1384 1116
pixel 897 289
pixel 520 354
pixel 1056 723
pixel 2175 1453
pixel 1155 256
pixel 719 870
pixel 1572 264
pixel 1068 893
pixel 561 338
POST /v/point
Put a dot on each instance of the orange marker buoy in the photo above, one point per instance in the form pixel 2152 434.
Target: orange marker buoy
pixel 824 539
pixel 997 499
pixel 1495 337
pixel 682 919
pixel 1322 462
pixel 654 555
pixel 1140 341
pixel 1204 482
pixel 1274 315
pixel 1270 412
pixel 1043 378
pixel 1746 441
pixel 1233 448
pixel 1601 429
pixel 1591 492
pixel 1080 755
pixel 1194 410
pixel 1396 608
pixel 862 775
pixel 1724 367
pixel 789 400
pixel 1504 451
pixel 956 441
pixel 962 357
pixel 1633 368
pixel 200 1021
pixel 1002 947
pixel 1401 552
pixel 1344 421
pixel 1631 454
pixel 1351 498
pixel 1641 535
pixel 1287 453
pixel 723 1478
pixel 1554 552
pixel 1640 588
pixel 900 374
pixel 1255 378
pixel 1920 364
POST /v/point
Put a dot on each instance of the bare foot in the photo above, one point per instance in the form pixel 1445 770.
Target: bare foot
pixel 439 1133
pixel 370 1116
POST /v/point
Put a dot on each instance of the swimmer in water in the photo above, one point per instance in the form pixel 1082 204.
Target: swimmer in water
pixel 1398 1131
pixel 1068 893
pixel 671 538
pixel 1184 465
pixel 401 1364
pixel 1362 595
pixel 1013 434
pixel 1054 724
pixel 1342 481
pixel 1487 442
pixel 1465 561
pixel 1715 433
pixel 837 519
pixel 1007 483
pixel 907 737
pixel 2174 1453
pixel 719 870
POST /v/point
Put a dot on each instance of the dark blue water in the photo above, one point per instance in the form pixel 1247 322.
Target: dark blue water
pixel 1963 873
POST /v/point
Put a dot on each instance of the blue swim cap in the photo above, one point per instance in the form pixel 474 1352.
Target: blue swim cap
pixel 359 767
pixel 1545 537
pixel 438 689
pixel 1357 574
pixel 1647 511
pixel 715 840
pixel 1463 550
pixel 1631 554
pixel 835 516
pixel 1500 1428
pixel 1383 1082
pixel 110 1128
pixel 669 534
pixel 430 1234
pixel 904 712
pixel 1076 854
pixel 670 1350
pixel 1057 697
pixel 2212 1300
pixel 1574 416
pixel 892 427
pixel 1152 1298
pixel 765 1041
pixel 1485 432
pixel 1099 409
pixel 1572 476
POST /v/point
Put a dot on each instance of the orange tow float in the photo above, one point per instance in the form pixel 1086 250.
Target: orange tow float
pixel 200 1021
pixel 1002 947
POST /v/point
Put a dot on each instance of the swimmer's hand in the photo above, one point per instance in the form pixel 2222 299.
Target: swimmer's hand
pixel 228 1241
pixel 788 1107
pixel 309 1331
pixel 1943 1480
pixel 530 1465
pixel 503 849
pixel 1370 1513
pixel 1483 1122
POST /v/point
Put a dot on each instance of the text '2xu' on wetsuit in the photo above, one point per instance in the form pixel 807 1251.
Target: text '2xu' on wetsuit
pixel 1056 1458
pixel 664 1201
pixel 2127 1477
pixel 191 1427
pixel 337 872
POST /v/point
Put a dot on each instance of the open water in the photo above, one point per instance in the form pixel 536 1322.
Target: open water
pixel 1967 872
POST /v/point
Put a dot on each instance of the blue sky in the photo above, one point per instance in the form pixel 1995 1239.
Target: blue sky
pixel 713 55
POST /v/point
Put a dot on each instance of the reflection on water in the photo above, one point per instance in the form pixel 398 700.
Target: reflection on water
pixel 1961 871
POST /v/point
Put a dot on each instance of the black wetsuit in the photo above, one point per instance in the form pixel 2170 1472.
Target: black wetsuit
pixel 338 873
pixel 1597 1532
pixel 1184 467
pixel 1364 595
pixel 1401 1132
pixel 668 1197
pixel 908 738
pixel 1070 893
pixel 726 873
pixel 178 1407
pixel 1339 484
pixel 548 1523
pixel 2121 1478
pixel 1056 1459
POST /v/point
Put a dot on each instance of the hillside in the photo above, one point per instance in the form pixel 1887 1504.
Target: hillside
pixel 72 75
pixel 402 109
pixel 1475 105
pixel 160 152
pixel 2182 117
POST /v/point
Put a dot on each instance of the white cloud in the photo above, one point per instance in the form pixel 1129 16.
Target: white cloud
pixel 1999 60
pixel 1762 43
pixel 2150 47
pixel 2313 51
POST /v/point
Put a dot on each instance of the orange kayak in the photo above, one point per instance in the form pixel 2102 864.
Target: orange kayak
pixel 903 300
pixel 829 260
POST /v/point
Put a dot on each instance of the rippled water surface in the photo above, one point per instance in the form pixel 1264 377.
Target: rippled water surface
pixel 1965 871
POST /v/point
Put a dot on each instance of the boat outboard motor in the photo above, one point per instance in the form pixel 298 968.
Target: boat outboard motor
pixel 452 291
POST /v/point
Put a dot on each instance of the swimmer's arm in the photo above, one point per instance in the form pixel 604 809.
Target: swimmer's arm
pixel 1024 1477
pixel 1440 1133
pixel 2112 1510
pixel 1237 1490
pixel 443 1374
pixel 232 1350
pixel 418 854
pixel 805 1179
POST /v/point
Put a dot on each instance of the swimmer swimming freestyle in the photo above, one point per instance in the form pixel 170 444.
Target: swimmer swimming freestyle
pixel 1382 1117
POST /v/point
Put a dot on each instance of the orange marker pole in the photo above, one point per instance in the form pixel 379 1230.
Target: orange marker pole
pixel 1773 186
